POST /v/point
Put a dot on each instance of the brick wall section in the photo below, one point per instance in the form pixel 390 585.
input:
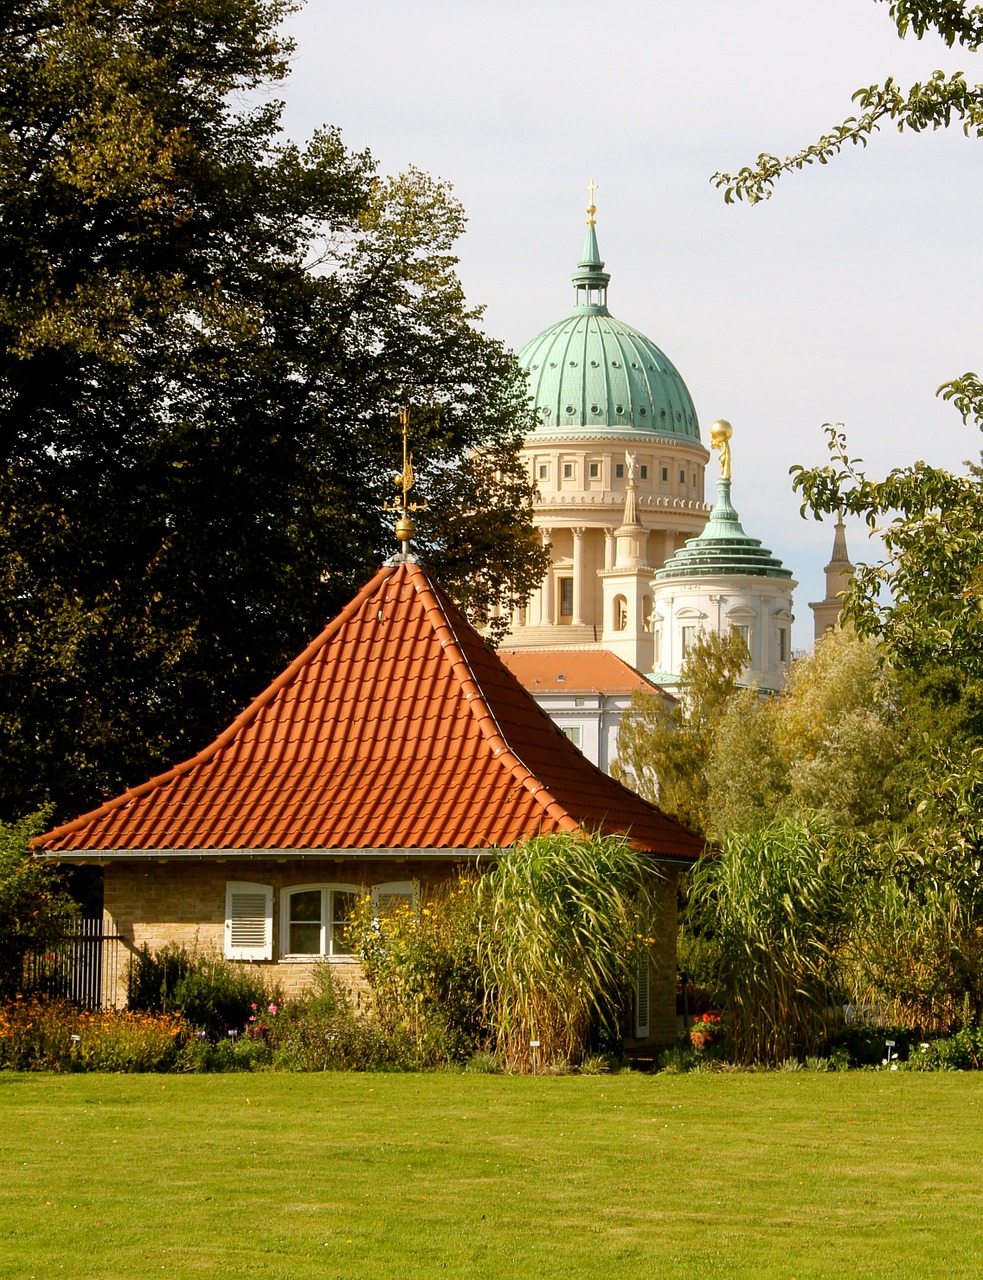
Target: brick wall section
pixel 662 971
pixel 157 904
pixel 662 1015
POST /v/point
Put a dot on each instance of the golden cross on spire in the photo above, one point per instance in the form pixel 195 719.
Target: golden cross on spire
pixel 592 207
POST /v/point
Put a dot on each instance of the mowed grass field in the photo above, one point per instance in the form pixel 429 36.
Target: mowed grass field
pixel 353 1177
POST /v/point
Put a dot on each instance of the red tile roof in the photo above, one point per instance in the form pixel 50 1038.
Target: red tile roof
pixel 574 670
pixel 398 727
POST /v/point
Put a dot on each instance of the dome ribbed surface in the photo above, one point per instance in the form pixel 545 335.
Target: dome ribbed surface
pixel 590 375
pixel 722 548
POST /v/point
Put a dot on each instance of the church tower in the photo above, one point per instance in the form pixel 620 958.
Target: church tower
pixel 839 571
pixel 608 401
pixel 724 580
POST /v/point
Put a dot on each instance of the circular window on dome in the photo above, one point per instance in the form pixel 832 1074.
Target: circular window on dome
pixel 641 410
pixel 552 364
pixel 573 364
pixel 620 409
pixel 615 365
pixel 569 408
pixel 679 416
pixel 662 413
pixel 546 410
pixel 594 364
pixel 634 365
pixel 595 408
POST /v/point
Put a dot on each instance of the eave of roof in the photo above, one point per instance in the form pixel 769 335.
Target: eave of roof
pixel 396 728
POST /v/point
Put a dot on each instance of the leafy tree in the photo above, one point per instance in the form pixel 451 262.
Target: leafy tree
pixel 206 333
pixel 918 944
pixel 931 104
pixel 829 745
pixel 34 909
pixel 664 748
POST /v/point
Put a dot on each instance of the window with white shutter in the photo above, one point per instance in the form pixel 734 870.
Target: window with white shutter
pixel 248 921
pixel 642 997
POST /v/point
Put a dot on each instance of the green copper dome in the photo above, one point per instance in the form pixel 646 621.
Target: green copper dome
pixel 592 376
pixel 722 548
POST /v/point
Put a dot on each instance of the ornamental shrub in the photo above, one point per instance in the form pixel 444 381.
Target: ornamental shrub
pixel 422 967
pixel 211 994
pixel 323 1031
pixel 38 1034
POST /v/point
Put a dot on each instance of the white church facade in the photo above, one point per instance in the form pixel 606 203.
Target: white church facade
pixel 639 562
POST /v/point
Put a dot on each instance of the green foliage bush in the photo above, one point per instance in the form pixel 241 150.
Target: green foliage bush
pixel 423 968
pixel 210 993
pixel 563 921
pixel 323 1031
pixel 34 909
pixel 779 904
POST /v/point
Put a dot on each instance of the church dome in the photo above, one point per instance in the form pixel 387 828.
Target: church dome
pixel 590 376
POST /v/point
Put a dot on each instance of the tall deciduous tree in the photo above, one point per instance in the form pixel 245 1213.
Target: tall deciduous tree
pixel 206 333
pixel 829 745
pixel 664 748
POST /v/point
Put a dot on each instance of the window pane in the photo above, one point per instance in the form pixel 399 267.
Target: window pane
pixel 305 939
pixel 566 597
pixel 343 904
pixel 306 905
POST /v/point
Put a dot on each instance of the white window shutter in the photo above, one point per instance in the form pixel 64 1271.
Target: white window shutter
pixel 642 997
pixel 248 920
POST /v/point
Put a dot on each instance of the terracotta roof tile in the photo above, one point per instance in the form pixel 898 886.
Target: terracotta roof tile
pixel 574 670
pixel 398 727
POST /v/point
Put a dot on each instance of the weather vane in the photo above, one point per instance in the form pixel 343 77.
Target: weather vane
pixel 404 483
pixel 592 207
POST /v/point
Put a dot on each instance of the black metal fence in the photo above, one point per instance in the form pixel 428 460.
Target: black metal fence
pixel 82 967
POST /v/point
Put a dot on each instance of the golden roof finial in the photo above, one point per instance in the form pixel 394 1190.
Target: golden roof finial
pixel 404 482
pixel 592 207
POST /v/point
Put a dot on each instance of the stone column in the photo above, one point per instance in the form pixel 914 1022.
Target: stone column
pixel 546 591
pixel 609 548
pixel 578 577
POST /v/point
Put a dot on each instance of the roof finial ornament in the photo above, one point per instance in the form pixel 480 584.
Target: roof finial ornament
pixel 592 207
pixel 405 482
pixel 720 434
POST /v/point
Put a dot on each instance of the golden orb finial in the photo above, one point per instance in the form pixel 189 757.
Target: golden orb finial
pixel 592 207
pixel 720 434
pixel 404 482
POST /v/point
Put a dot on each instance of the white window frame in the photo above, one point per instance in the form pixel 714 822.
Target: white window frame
pixel 327 890
pixel 248 920
pixel 409 889
pixel 643 997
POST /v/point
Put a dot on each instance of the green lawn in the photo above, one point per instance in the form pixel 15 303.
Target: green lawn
pixel 353 1177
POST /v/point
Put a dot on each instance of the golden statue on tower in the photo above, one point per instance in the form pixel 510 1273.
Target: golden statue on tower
pixel 720 434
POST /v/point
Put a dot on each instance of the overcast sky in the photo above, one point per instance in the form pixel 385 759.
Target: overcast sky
pixel 850 296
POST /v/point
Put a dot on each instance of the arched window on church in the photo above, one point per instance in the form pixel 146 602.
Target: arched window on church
pixel 620 613
pixel 646 613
